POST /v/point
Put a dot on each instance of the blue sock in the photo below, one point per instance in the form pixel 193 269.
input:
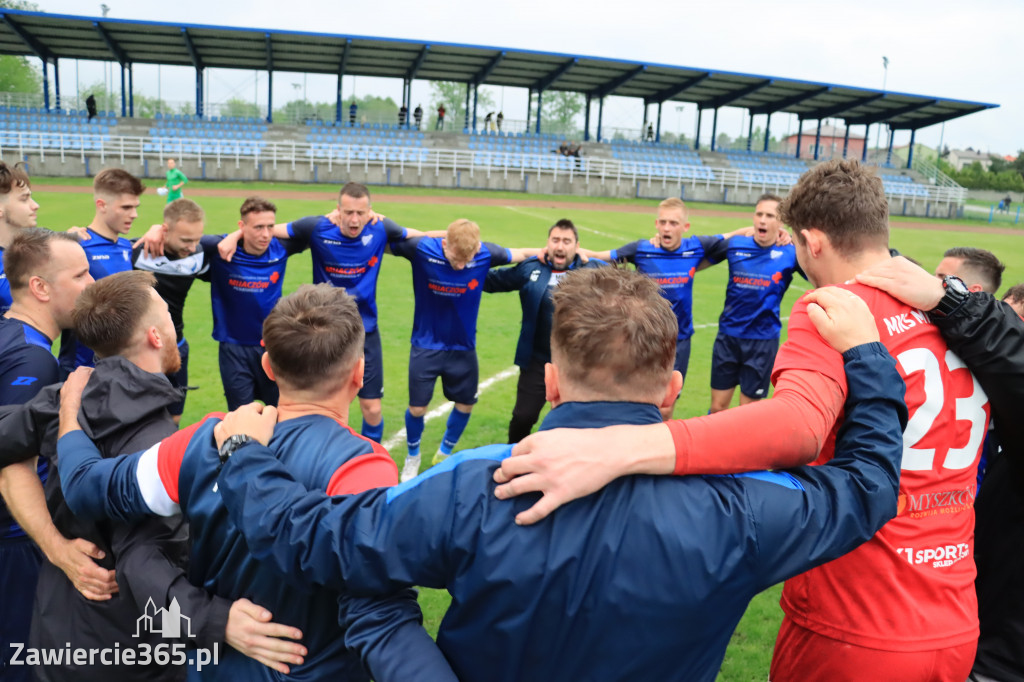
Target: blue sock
pixel 456 425
pixel 374 433
pixel 413 433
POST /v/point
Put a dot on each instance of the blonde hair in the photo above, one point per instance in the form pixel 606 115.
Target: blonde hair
pixel 675 202
pixel 463 238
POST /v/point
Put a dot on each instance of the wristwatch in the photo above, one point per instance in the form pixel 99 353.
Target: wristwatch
pixel 233 443
pixel 956 294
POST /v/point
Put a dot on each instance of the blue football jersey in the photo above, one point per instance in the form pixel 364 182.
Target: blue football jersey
pixel 5 287
pixel 26 365
pixel 105 258
pixel 758 279
pixel 672 270
pixel 244 290
pixel 447 300
pixel 351 264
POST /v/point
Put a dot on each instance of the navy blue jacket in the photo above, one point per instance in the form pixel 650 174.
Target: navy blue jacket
pixel 645 579
pixel 530 278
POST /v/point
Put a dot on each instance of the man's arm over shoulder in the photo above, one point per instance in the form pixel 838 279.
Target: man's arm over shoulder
pixel 509 279
pixel 24 426
pixel 831 509
pixel 406 248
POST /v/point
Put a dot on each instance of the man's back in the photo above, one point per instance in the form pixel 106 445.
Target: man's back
pixel 644 580
pixel 911 587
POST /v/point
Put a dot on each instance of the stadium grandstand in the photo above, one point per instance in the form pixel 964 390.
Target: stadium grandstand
pixel 57 141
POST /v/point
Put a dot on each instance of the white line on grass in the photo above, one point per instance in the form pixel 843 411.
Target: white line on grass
pixel 442 409
pixel 578 226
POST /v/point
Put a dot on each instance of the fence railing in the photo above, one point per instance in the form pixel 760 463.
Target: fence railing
pixel 118 149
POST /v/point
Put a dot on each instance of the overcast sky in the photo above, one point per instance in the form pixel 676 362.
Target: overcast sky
pixel 944 48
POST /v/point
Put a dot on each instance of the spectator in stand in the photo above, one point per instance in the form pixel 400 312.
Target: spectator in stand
pixel 440 117
pixel 499 120
pixel 487 121
pixel 650 132
pixel 417 116
pixel 403 114
pixel 90 106
pixel 352 109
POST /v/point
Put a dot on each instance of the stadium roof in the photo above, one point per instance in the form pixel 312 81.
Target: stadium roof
pixel 56 36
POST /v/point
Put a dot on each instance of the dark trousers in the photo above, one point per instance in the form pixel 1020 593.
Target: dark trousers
pixel 530 399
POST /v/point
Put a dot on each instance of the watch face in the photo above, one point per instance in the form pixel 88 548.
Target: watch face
pixel 955 283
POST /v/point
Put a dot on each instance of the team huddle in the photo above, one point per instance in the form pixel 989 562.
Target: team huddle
pixel 280 531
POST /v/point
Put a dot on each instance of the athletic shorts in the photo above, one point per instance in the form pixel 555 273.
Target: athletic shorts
pixel 458 369
pixel 682 356
pixel 180 379
pixel 801 654
pixel 243 376
pixel 373 375
pixel 744 362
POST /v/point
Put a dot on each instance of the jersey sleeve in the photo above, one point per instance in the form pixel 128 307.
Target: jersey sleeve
pixel 364 472
pixel 406 248
pixel 394 232
pixel 716 247
pixel 23 379
pixel 627 252
pixel 832 509
pixel 507 279
pixel 499 254
pixel 301 231
pixel 805 349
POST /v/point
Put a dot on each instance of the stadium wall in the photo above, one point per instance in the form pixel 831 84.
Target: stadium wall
pixel 527 182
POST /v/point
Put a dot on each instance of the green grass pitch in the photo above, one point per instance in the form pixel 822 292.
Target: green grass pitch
pixel 512 225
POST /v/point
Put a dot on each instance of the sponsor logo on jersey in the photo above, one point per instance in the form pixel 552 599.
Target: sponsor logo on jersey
pixel 897 324
pixel 749 281
pixel 274 276
pixel 343 271
pixel 473 284
pixel 777 277
pixel 99 256
pixel 941 502
pixel 669 280
pixel 535 275
pixel 248 284
pixel 373 261
pixel 776 254
pixel 743 254
pixel 367 238
pixel 446 289
pixel 939 557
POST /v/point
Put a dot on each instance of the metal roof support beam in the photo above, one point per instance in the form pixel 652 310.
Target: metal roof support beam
pixel 46 86
pixel 910 149
pixel 889 114
pixel 696 135
pixel 112 45
pixel 270 79
pixel 867 136
pixel 414 69
pixel 131 90
pixel 56 84
pixel 476 102
pixel 714 129
pixel 586 121
pixel 657 133
pixel 846 139
pixel 197 62
pixel 466 124
pixel 37 47
pixel 888 155
pixel 676 90
pixel 341 72
pixel 613 85
pixel 767 130
pixel 124 99
pixel 485 72
pixel 548 80
pixel 835 110
pixel 817 140
pixel 600 116
pixel 789 101
pixel 730 97
pixel 799 135
pixel 540 98
pixel 750 133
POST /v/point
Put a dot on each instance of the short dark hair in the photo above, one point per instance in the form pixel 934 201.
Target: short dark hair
pixel 768 196
pixel 110 311
pixel 256 205
pixel 354 190
pixel 843 199
pixel 565 224
pixel 29 253
pixel 982 265
pixel 183 209
pixel 613 327
pixel 11 177
pixel 313 335
pixel 116 181
pixel 1015 294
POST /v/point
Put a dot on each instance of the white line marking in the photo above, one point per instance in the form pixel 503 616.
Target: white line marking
pixel 443 409
pixel 578 226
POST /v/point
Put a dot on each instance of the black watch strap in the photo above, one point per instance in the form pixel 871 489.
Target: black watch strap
pixel 956 293
pixel 233 443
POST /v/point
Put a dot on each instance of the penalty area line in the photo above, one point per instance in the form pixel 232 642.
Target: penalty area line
pixel 443 408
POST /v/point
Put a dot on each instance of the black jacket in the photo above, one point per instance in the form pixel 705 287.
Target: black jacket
pixel 989 337
pixel 124 409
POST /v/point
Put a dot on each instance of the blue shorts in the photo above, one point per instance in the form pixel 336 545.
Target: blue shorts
pixel 180 379
pixel 243 376
pixel 746 362
pixel 373 375
pixel 682 356
pixel 458 369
